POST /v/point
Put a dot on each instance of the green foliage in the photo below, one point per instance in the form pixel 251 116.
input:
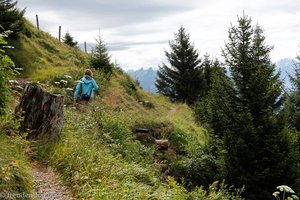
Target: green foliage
pixel 247 115
pixel 97 156
pixel 14 165
pixel 182 81
pixel 69 40
pixel 6 73
pixel 11 18
pixel 118 136
pixel 100 58
pixel 104 163
pixel 216 109
pixel 200 165
pixel 293 100
pixel 218 191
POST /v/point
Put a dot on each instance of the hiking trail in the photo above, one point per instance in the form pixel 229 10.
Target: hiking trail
pixel 47 184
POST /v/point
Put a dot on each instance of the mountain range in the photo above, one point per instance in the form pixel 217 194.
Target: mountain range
pixel 147 77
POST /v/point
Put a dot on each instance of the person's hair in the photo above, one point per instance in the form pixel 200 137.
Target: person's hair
pixel 89 72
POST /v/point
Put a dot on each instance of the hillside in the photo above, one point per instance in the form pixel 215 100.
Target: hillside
pixel 101 153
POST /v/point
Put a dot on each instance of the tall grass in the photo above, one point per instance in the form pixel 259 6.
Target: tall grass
pixel 14 163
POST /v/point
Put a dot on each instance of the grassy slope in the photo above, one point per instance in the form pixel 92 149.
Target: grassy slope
pixel 14 163
pixel 98 154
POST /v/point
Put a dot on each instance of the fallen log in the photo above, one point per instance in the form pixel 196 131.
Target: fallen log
pixel 42 112
pixel 140 130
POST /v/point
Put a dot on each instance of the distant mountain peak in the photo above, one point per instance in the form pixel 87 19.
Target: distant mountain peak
pixel 286 68
pixel 146 78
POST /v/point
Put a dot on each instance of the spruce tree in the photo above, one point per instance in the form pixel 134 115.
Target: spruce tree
pixel 182 80
pixel 257 148
pixel 293 103
pixel 245 110
pixel 209 66
pixel 216 108
pixel 100 58
pixel 69 40
pixel 11 18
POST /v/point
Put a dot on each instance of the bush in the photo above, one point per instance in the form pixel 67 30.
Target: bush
pixel 6 73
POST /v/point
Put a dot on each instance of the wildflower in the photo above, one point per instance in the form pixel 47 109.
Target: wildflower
pixel 14 164
pixel 56 83
pixel 68 77
pixel 63 81
pixel 275 194
pixel 69 89
pixel 285 188
pixel 13 82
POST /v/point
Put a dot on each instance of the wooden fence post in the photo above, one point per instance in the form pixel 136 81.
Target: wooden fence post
pixel 37 22
pixel 59 33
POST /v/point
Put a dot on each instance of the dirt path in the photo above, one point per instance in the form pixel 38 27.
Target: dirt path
pixel 47 184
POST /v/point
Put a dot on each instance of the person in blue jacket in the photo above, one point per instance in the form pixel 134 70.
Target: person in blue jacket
pixel 86 87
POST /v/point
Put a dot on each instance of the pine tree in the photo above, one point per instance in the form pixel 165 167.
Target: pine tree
pixel 292 108
pixel 182 81
pixel 209 66
pixel 69 40
pixel 216 108
pixel 293 101
pixel 245 111
pixel 100 58
pixel 11 18
pixel 256 146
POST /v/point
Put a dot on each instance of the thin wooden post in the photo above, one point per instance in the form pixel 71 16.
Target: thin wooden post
pixel 84 46
pixel 37 22
pixel 59 33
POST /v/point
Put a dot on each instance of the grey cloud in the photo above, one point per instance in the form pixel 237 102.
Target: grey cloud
pixel 127 45
pixel 120 46
pixel 110 13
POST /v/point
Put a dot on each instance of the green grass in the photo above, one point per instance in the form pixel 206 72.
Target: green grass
pixel 14 162
pixel 99 160
pixel 39 54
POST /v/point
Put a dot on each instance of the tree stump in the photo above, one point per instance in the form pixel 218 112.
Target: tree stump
pixel 42 112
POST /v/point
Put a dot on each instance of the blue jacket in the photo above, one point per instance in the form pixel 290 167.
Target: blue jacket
pixel 87 84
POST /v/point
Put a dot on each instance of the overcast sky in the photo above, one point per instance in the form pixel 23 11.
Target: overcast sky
pixel 137 31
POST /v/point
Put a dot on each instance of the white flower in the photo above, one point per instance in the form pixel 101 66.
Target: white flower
pixel 64 81
pixel 285 188
pixel 13 81
pixel 67 76
pixel 69 89
pixel 275 194
pixel 56 83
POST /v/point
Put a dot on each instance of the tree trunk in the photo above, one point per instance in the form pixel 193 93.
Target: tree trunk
pixel 42 112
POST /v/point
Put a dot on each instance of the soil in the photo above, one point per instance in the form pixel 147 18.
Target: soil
pixel 48 185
